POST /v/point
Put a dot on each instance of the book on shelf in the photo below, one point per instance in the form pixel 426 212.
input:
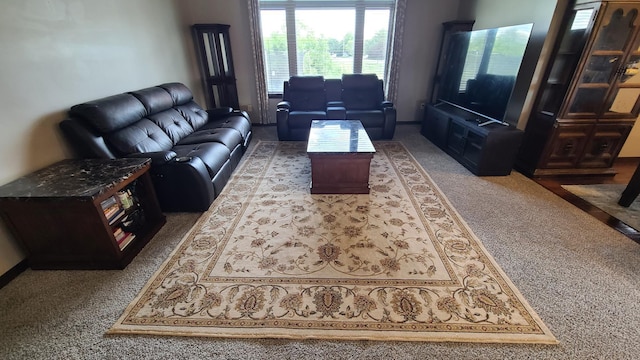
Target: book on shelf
pixel 126 240
pixel 118 233
pixel 108 212
pixel 108 203
pixel 116 216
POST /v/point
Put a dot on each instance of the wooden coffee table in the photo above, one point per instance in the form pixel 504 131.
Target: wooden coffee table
pixel 340 153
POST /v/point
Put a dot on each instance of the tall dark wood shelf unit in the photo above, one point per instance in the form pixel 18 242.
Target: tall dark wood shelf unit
pixel 448 54
pixel 589 98
pixel 213 49
pixel 59 213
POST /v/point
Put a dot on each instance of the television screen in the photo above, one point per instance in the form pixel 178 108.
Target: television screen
pixel 482 67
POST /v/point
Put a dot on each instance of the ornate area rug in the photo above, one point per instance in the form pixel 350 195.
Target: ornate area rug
pixel 605 197
pixel 269 260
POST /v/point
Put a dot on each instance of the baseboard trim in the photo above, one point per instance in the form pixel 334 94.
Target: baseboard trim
pixel 18 269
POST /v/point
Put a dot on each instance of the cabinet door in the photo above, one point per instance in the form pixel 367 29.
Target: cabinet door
pixel 473 148
pixel 623 100
pixel 435 126
pixel 457 138
pixel 464 144
pixel 604 145
pixel 566 58
pixel 601 78
pixel 566 146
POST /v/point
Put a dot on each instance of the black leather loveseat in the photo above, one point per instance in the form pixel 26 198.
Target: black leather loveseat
pixel 193 151
pixel 353 97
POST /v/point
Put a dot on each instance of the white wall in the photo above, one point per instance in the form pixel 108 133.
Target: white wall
pixel 57 53
pixel 420 51
pixel 631 147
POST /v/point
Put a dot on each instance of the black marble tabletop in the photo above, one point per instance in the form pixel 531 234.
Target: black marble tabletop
pixel 338 136
pixel 73 178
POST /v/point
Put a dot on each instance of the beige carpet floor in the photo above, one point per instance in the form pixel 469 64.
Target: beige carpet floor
pixel 605 197
pixel 581 277
pixel 270 260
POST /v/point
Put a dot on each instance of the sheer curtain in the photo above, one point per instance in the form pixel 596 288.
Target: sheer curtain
pixel 258 55
pixel 393 61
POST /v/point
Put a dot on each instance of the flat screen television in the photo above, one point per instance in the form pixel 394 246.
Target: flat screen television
pixel 481 70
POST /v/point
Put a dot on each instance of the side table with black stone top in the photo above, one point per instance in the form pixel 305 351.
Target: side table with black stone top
pixel 60 213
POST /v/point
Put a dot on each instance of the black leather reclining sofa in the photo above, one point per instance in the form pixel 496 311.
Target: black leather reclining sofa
pixel 193 152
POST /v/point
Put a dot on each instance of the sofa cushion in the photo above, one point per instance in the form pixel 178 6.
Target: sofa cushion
pixel 307 100
pixel 306 93
pixel 226 136
pixel 359 81
pixel 143 136
pixel 239 122
pixel 110 113
pixel 302 119
pixel 306 82
pixel 193 113
pixel 359 100
pixel 361 91
pixel 154 99
pixel 173 124
pixel 179 93
pixel 368 118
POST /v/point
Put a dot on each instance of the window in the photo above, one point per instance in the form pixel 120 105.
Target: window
pixel 328 38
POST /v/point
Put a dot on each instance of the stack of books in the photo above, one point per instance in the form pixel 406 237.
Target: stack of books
pixel 115 211
pixel 123 238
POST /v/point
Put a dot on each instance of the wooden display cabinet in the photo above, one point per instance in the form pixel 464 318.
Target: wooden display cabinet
pixel 60 214
pixel 589 98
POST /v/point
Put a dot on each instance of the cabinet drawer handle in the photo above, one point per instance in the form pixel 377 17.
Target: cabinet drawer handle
pixel 603 146
pixel 567 148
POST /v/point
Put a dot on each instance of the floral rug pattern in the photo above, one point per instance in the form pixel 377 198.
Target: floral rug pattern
pixel 268 259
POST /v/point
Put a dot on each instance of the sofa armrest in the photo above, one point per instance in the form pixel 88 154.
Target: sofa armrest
pixel 157 157
pixel 386 104
pixel 389 126
pixel 84 142
pixel 183 184
pixel 283 105
pixel 336 112
pixel 219 112
pixel 335 104
pixel 282 123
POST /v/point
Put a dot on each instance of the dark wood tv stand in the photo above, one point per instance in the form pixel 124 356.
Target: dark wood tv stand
pixel 67 215
pixel 487 150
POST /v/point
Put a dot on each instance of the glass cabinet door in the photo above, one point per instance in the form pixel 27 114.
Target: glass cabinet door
pixel 566 59
pixel 604 88
pixel 624 98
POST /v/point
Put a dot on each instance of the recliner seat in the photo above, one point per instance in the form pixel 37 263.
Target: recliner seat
pixel 303 99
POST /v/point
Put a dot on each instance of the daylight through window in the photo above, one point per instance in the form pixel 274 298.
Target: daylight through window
pixel 328 38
